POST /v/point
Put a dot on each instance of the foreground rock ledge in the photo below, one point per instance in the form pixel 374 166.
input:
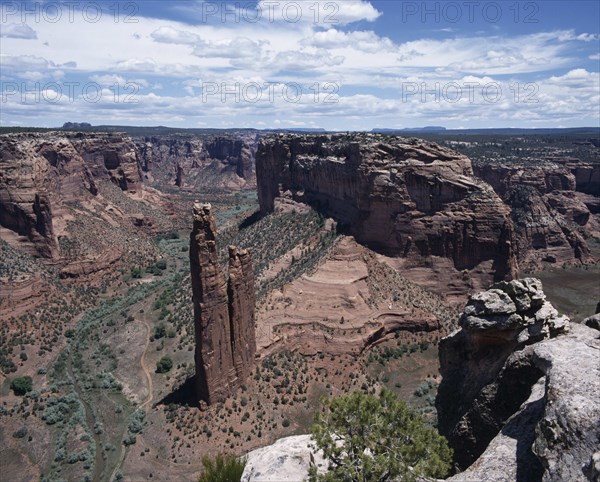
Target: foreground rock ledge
pixel 519 396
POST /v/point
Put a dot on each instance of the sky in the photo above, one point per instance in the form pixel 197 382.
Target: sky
pixel 337 65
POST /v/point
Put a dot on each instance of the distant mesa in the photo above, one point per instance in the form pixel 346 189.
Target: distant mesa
pixel 224 312
pixel 410 129
pixel 76 125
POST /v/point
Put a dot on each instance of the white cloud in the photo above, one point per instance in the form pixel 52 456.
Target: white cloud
pixel 170 35
pixel 239 47
pixel 570 35
pixel 18 30
pixel 137 65
pixel 302 61
pixel 365 41
pixel 323 12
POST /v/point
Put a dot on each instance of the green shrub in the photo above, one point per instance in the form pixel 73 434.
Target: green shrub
pixel 224 468
pixel 164 365
pixel 21 385
pixel 371 439
pixel 136 273
pixel 22 432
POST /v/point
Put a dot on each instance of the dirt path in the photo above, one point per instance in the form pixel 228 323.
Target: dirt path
pixel 145 403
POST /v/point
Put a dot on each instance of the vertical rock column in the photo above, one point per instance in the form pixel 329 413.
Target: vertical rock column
pixel 242 300
pixel 215 373
pixel 223 312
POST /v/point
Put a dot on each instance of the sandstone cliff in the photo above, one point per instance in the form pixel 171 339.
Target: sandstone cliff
pixel 551 218
pixel 199 160
pixel 223 312
pixel 518 399
pixel 40 172
pixel 404 197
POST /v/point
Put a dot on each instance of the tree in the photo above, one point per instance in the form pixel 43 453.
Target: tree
pixel 21 385
pixel 164 365
pixel 224 468
pixel 367 438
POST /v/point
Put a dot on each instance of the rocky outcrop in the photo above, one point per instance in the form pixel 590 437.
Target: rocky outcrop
pixel 403 197
pixel 39 172
pixel 288 459
pixel 550 217
pixel 223 312
pixel 518 399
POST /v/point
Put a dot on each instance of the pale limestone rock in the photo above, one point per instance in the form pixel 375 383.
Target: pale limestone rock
pixel 287 460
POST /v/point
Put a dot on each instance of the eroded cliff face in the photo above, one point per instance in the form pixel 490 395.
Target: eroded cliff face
pixel 402 197
pixel 199 160
pixel 40 172
pixel 518 399
pixel 551 218
pixel 223 312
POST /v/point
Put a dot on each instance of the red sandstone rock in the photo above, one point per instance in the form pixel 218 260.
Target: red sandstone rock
pixel 548 215
pixel 242 301
pixel 403 197
pixel 38 172
pixel 223 312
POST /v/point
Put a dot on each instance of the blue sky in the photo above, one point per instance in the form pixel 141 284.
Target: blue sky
pixel 341 65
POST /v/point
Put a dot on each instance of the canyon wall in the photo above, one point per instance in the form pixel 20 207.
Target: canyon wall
pixel 552 219
pixel 223 312
pixel 40 172
pixel 187 160
pixel 402 197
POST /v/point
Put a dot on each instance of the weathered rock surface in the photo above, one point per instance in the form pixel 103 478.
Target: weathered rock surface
pixel 242 302
pixel 518 399
pixel 223 312
pixel 403 197
pixel 39 172
pixel 288 459
pixel 551 219
pixel 199 160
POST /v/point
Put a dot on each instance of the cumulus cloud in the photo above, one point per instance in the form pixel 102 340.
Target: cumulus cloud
pixel 239 47
pixel 170 35
pixel 18 30
pixel 365 41
pixel 324 12
pixel 137 65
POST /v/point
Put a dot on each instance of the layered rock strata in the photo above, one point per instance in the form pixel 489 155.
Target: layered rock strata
pixel 39 172
pixel 551 218
pixel 223 312
pixel 402 197
pixel 518 399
